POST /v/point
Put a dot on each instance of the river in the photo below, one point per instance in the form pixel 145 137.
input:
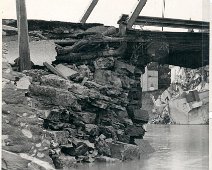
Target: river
pixel 178 147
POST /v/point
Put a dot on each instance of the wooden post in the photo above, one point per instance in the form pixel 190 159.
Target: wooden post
pixel 135 13
pixel 88 11
pixel 23 38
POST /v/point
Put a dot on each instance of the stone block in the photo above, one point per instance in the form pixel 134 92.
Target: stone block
pixel 63 161
pixel 56 96
pixel 103 148
pixel 124 151
pixel 66 71
pixel 122 65
pixel 135 131
pixel 104 77
pixel 55 81
pixel 87 117
pixel 13 96
pixel 60 137
pixel 141 115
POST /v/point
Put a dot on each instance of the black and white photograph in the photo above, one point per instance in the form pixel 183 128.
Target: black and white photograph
pixel 105 84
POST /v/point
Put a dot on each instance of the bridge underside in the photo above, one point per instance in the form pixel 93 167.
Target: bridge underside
pixel 186 49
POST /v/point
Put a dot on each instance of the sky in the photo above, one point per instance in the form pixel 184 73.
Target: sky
pixel 106 11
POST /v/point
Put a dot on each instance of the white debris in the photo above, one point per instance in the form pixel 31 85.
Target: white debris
pixel 27 133
pixel 24 82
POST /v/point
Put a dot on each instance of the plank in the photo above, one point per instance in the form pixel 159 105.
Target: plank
pixel 170 22
pixel 54 70
pixel 89 11
pixel 135 13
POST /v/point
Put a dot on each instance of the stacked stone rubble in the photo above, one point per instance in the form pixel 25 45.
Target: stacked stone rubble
pixel 96 109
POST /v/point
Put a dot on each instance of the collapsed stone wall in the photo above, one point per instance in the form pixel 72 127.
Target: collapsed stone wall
pixel 97 110
pixel 92 110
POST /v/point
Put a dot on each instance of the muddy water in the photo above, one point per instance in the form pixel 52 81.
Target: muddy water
pixel 178 147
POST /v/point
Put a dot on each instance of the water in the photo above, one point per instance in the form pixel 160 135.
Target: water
pixel 178 147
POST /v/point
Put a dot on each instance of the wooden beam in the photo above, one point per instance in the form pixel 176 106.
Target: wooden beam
pixel 135 13
pixel 88 11
pixel 76 57
pixel 23 38
pixel 170 22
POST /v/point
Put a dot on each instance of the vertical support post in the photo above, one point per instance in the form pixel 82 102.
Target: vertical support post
pixel 135 13
pixel 23 38
pixel 163 10
pixel 122 29
pixel 88 11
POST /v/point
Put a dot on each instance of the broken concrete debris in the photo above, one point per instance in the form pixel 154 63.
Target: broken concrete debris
pixel 186 100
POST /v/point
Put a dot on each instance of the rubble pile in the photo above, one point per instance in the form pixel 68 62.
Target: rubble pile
pixel 93 101
pixel 89 99
pixel 188 94
pixel 91 111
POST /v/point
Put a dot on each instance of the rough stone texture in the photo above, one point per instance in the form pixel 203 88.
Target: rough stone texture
pixel 87 117
pixel 84 70
pixel 36 74
pixel 55 81
pixel 14 161
pixel 11 95
pixel 119 65
pixel 124 151
pixel 58 115
pixel 108 131
pixel 135 131
pixel 82 116
pixel 107 77
pixel 53 95
pixel 90 127
pixel 103 148
pixel 79 90
pixel 104 63
pixel 60 137
pixel 64 161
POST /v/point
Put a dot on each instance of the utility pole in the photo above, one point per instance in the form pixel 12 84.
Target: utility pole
pixel 23 38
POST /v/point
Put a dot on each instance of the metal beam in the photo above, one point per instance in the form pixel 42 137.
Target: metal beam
pixel 135 13
pixel 169 22
pixel 23 38
pixel 88 11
